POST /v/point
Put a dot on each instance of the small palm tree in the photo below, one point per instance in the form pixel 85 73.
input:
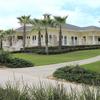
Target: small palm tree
pixel 46 23
pixel 24 20
pixel 36 23
pixel 9 33
pixel 59 22
pixel 2 33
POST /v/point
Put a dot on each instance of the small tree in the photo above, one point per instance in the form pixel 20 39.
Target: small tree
pixel 36 23
pixel 2 33
pixel 59 22
pixel 9 34
pixel 24 20
pixel 46 23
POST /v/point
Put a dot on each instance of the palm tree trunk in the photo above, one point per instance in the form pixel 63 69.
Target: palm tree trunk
pixel 46 41
pixel 10 40
pixel 1 44
pixel 39 38
pixel 24 36
pixel 60 38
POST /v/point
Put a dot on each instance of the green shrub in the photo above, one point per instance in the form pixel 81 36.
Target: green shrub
pixel 65 49
pixel 55 50
pixel 7 60
pixel 77 74
pixel 4 57
pixel 19 63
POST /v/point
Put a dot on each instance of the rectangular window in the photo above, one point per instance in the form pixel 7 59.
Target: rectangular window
pixel 19 37
pixel 65 40
pixel 98 39
pixel 50 37
pixel 34 37
pixel 41 36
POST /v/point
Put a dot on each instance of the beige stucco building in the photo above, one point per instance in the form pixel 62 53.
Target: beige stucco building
pixel 71 35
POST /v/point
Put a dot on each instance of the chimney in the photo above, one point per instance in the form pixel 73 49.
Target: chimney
pixel 46 16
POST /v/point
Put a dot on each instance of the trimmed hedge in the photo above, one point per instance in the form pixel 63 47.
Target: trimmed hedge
pixel 55 50
pixel 78 75
pixel 18 63
pixel 7 60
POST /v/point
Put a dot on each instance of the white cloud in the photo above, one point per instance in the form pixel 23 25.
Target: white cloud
pixel 13 8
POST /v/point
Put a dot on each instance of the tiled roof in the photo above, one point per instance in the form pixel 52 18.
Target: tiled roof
pixel 66 26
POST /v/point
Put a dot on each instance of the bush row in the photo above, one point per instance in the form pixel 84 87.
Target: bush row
pixel 78 74
pixel 55 50
pixel 7 60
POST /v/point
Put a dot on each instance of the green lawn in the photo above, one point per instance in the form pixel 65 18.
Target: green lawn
pixel 93 66
pixel 51 59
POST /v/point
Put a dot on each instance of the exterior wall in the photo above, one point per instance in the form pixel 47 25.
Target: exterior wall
pixel 68 38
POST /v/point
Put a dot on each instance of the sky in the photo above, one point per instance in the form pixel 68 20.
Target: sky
pixel 80 12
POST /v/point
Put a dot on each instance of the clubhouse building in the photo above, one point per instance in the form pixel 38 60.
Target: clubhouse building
pixel 71 35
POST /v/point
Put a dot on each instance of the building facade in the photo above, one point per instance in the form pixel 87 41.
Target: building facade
pixel 71 35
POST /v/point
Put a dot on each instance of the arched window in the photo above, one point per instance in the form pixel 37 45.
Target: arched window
pixel 72 40
pixel 75 41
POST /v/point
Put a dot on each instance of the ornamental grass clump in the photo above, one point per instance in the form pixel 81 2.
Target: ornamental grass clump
pixel 45 91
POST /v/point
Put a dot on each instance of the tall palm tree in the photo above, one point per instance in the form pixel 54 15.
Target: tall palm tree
pixel 36 23
pixel 59 22
pixel 24 20
pixel 9 33
pixel 2 33
pixel 46 23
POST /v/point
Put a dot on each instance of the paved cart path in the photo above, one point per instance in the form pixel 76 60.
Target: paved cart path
pixel 35 75
pixel 47 70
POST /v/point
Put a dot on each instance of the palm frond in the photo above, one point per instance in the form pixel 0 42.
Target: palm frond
pixel 60 20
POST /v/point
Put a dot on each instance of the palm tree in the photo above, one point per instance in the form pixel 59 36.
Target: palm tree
pixel 9 34
pixel 24 20
pixel 59 22
pixel 37 26
pixel 47 22
pixel 2 33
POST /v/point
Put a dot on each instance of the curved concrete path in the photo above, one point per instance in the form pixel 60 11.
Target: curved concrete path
pixel 47 70
pixel 35 75
pixel 21 79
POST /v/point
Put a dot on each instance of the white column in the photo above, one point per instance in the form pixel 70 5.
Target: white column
pixel 68 40
pixel 93 39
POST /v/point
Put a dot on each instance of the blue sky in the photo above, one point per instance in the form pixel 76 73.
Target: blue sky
pixel 80 12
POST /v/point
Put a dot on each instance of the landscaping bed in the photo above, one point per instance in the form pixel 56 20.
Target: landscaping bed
pixel 78 75
pixel 46 91
pixel 7 60
pixel 55 50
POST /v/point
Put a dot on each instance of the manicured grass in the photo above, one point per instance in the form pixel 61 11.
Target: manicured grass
pixel 51 59
pixel 93 66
